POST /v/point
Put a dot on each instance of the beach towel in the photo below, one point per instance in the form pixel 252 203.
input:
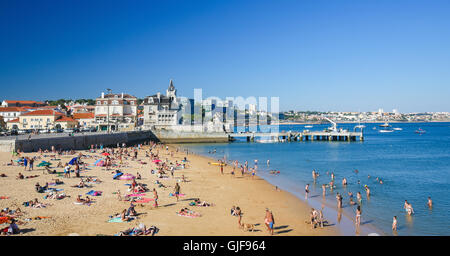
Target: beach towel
pixel 190 215
pixel 81 203
pixel 135 195
pixel 118 220
pixel 44 163
pixel 117 175
pixel 53 189
pixel 4 219
pixel 171 194
pixel 4 197
pixel 144 200
pixel 94 193
pixel 127 177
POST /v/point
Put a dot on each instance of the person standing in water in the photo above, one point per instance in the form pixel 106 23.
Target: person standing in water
pixel 358 216
pixel 324 190
pixel 430 203
pixel 394 223
pixel 306 191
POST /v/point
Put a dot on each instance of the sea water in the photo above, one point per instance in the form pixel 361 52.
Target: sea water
pixel 412 167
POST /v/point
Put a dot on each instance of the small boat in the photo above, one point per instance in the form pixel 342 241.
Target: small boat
pixel 374 128
pixel 360 126
pixel 308 126
pixel 398 129
pixel 384 130
pixel 385 125
pixel 420 131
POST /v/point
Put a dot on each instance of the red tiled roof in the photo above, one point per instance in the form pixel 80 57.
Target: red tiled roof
pixel 46 112
pixel 65 119
pixel 83 115
pixel 14 121
pixel 23 102
pixel 12 109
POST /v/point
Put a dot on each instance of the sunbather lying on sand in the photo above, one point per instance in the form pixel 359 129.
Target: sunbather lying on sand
pixel 139 231
pixel 188 213
pixel 197 202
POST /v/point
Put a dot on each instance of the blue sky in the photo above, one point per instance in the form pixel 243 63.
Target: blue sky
pixel 340 55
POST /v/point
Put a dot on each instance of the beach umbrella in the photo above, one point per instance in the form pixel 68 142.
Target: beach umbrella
pixel 73 161
pixel 105 154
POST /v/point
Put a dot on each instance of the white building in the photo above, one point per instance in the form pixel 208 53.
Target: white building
pixel 116 111
pixel 11 113
pixel 162 111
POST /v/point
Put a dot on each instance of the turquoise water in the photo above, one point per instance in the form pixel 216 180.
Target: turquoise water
pixel 412 167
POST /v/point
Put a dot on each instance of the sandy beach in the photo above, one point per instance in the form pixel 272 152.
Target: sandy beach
pixel 204 181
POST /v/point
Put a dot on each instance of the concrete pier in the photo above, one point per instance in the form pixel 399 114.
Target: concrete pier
pixel 346 136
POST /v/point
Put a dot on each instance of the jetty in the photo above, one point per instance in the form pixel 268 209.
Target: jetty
pixel 330 134
pixel 300 136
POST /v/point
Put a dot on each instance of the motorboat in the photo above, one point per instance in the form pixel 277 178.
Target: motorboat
pixel 420 131
pixel 385 125
pixel 398 129
pixel 384 130
pixel 308 126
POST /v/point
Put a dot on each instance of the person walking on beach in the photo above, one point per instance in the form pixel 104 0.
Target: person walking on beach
pixel 31 163
pixel 155 196
pixel 177 190
pixel 269 221
pixel 221 167
pixel 67 171
pixel 25 163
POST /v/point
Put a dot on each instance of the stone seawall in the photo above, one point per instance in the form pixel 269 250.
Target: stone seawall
pixel 84 141
pixel 167 136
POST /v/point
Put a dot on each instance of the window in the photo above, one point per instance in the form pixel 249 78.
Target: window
pixel 99 102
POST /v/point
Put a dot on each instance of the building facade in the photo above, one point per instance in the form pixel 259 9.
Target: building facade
pixel 11 113
pixel 115 112
pixel 36 120
pixel 162 111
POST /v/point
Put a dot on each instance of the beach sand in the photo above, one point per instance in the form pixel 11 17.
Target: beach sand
pixel 205 181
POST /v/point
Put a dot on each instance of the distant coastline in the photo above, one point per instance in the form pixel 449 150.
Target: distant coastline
pixel 366 122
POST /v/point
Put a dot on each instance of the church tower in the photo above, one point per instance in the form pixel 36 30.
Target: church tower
pixel 171 92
